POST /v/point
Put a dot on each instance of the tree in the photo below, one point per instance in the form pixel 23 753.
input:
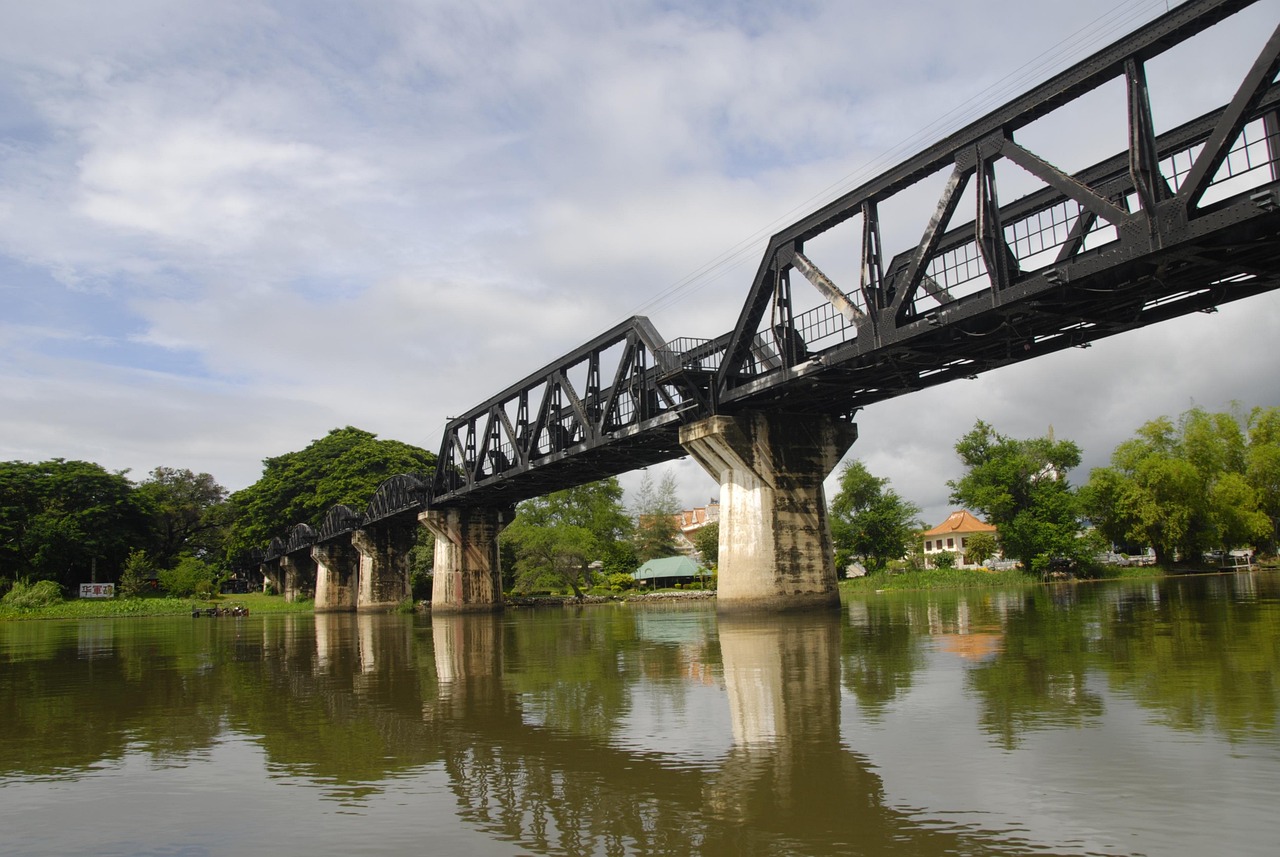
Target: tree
pixel 60 520
pixel 1262 466
pixel 980 547
pixel 187 512
pixel 138 569
pixel 190 576
pixel 1020 486
pixel 869 520
pixel 1182 488
pixel 656 529
pixel 557 537
pixel 707 540
pixel 345 466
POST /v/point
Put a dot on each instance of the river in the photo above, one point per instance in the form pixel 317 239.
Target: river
pixel 1122 718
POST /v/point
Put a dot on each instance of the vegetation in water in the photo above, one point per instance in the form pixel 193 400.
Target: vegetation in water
pixel 94 608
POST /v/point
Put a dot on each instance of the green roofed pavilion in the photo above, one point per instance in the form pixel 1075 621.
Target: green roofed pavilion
pixel 669 569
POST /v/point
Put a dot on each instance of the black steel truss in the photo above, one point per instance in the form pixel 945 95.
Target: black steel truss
pixel 612 405
pixel 1123 244
pixel 1178 222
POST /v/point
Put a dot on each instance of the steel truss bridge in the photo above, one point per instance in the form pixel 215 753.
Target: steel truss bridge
pixel 1179 221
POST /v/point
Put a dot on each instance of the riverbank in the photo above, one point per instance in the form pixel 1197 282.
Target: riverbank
pixel 106 608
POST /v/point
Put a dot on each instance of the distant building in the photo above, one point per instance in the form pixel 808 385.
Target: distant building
pixel 953 535
pixel 669 570
pixel 691 520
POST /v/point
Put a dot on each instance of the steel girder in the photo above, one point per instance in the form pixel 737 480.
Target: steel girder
pixel 1179 222
pixel 610 406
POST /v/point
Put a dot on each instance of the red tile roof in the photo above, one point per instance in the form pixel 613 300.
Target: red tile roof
pixel 961 521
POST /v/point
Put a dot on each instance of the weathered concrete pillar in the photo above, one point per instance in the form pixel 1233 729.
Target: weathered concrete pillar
pixel 467 574
pixel 337 574
pixel 775 542
pixel 299 575
pixel 271 575
pixel 384 563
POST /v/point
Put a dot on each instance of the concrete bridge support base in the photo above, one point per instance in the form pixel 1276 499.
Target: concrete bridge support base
pixel 775 542
pixel 299 575
pixel 467 576
pixel 384 563
pixel 272 576
pixel 337 575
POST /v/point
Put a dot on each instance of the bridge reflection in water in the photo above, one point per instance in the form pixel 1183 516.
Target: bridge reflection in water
pixel 1048 720
pixel 786 782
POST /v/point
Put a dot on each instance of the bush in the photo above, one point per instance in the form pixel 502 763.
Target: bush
pixel 620 580
pixel 42 593
pixel 190 577
pixel 944 559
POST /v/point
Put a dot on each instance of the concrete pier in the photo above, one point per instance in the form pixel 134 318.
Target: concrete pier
pixel 299 575
pixel 467 575
pixel 337 575
pixel 775 541
pixel 384 563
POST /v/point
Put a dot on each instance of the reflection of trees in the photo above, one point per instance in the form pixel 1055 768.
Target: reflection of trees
pixel 880 651
pixel 1039 677
pixel 1200 663
pixel 523 713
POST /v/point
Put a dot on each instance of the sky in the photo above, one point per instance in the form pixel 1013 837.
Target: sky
pixel 228 228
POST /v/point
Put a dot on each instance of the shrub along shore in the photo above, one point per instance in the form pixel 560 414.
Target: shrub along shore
pixel 100 608
pixel 256 602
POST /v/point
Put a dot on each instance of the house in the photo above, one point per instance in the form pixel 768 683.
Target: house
pixel 690 521
pixel 953 535
pixel 668 571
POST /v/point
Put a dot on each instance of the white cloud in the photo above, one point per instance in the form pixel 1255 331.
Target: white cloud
pixel 226 229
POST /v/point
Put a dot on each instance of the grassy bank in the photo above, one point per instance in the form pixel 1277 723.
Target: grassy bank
pixel 962 578
pixel 92 608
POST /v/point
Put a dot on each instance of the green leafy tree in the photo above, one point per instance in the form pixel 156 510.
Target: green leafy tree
pixel 1262 467
pixel 980 547
pixel 60 520
pixel 138 569
pixel 345 466
pixel 1020 486
pixel 707 540
pixel 656 527
pixel 869 520
pixel 188 513
pixel 191 576
pixel 557 537
pixel 944 559
pixel 1181 488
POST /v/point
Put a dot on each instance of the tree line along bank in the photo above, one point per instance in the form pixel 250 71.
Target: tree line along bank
pixel 1205 481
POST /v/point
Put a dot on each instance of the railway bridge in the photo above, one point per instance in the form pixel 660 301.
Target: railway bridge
pixel 1013 254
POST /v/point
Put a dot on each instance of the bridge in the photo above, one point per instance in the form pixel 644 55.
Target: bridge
pixel 1180 221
